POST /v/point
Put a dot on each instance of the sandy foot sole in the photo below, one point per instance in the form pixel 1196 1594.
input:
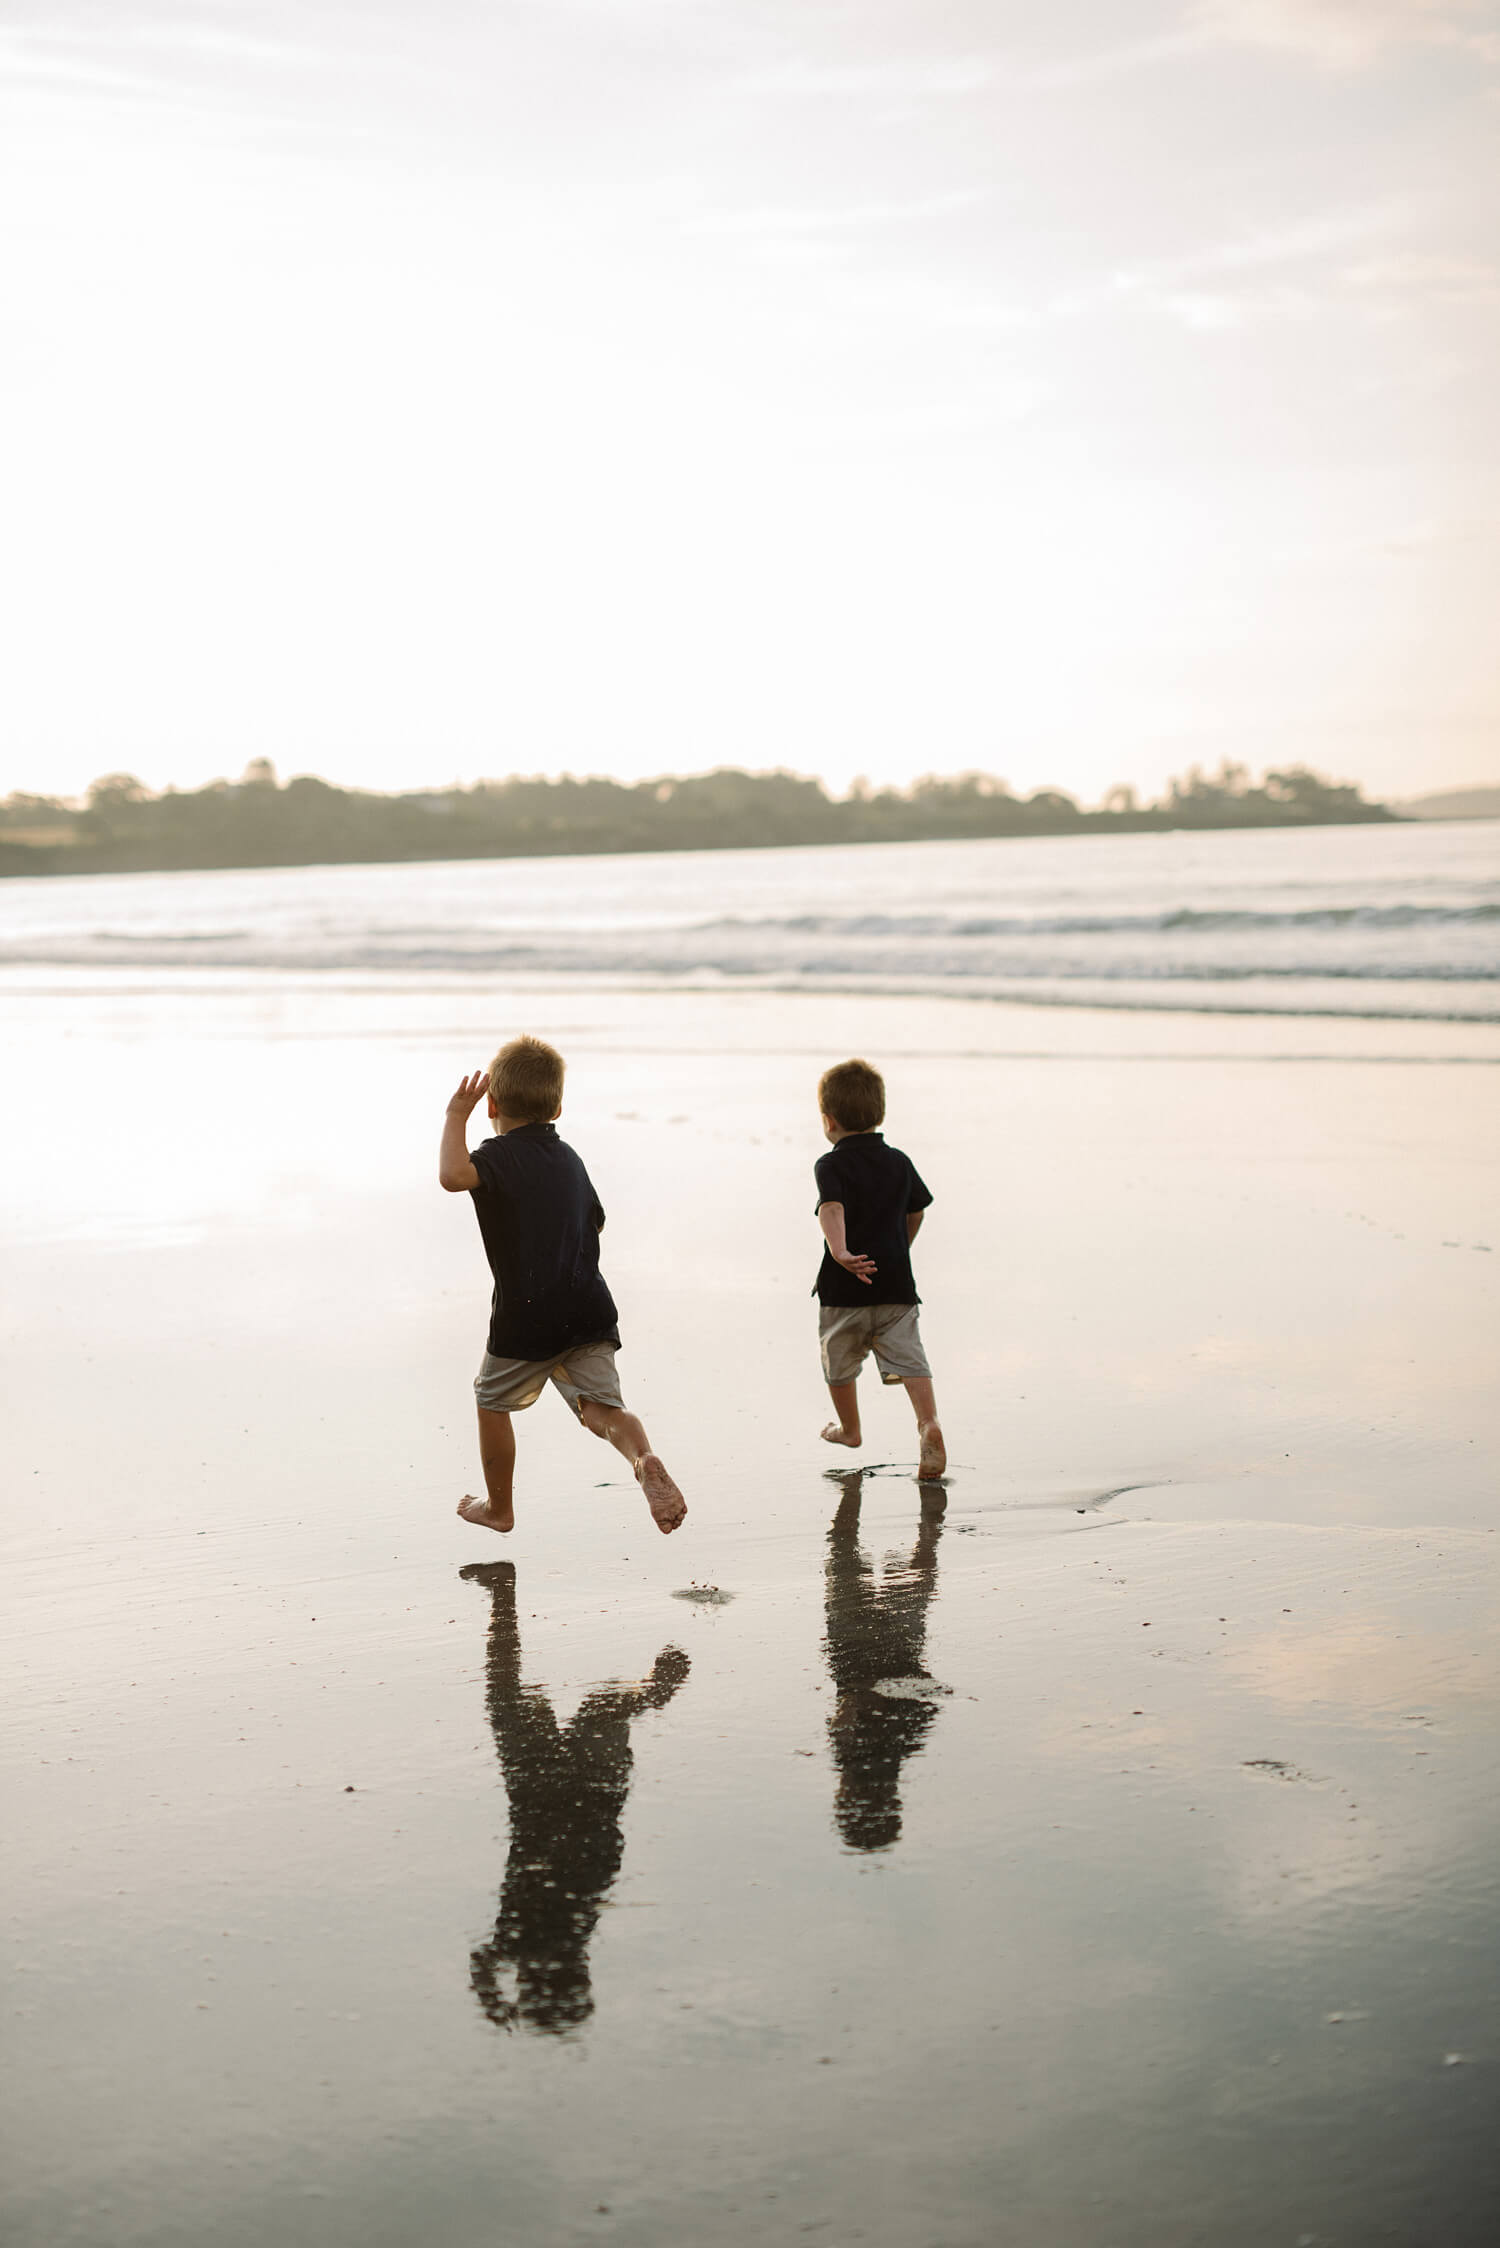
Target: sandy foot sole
pixel 934 1454
pixel 667 1504
pixel 483 1515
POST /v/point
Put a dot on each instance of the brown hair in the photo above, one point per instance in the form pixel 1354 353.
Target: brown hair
pixel 853 1094
pixel 526 1080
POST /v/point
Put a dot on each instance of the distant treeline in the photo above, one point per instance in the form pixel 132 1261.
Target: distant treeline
pixel 121 827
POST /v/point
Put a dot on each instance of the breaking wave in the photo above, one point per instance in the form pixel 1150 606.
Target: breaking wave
pixel 1379 922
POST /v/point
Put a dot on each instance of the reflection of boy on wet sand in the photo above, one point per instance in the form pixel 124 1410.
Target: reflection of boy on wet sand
pixel 876 1633
pixel 567 1787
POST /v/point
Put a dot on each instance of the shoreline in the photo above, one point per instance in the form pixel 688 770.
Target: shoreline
pixel 24 980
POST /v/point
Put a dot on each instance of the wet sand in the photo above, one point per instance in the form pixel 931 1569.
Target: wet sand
pixel 1100 1852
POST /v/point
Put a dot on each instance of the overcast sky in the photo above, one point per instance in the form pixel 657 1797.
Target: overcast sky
pixel 411 390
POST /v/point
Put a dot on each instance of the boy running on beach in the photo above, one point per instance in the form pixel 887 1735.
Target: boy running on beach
pixel 870 1204
pixel 551 1317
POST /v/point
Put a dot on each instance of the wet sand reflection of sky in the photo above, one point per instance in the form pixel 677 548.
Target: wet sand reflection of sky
pixel 876 1631
pixel 567 1786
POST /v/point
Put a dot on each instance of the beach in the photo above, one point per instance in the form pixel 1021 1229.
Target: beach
pixel 1100 1852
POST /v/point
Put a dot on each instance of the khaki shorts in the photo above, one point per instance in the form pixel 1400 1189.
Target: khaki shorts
pixel 849 1333
pixel 584 1376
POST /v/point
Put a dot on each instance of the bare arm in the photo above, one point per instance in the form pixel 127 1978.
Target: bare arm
pixel 831 1219
pixel 456 1174
pixel 913 1225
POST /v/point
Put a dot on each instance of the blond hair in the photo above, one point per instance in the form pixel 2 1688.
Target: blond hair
pixel 526 1080
pixel 853 1095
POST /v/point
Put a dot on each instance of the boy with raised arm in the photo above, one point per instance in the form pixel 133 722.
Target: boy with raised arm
pixel 551 1316
pixel 870 1204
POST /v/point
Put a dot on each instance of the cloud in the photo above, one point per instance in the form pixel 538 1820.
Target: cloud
pixel 899 78
pixel 29 65
pixel 1349 34
pixel 912 77
pixel 822 232
pixel 163 66
pixel 1227 285
pixel 838 219
pixel 1410 284
pixel 1417 279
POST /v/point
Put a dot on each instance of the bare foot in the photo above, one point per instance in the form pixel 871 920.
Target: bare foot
pixel 836 1433
pixel 486 1516
pixel 934 1454
pixel 667 1504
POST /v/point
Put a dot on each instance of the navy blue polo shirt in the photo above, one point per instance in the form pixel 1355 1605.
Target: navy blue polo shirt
pixel 878 1187
pixel 540 1220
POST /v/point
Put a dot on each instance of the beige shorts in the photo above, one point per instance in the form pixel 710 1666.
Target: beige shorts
pixel 848 1334
pixel 585 1375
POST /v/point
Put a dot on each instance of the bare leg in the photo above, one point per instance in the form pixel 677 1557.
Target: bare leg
pixel 845 1430
pixel 934 1455
pixel 497 1456
pixel 624 1431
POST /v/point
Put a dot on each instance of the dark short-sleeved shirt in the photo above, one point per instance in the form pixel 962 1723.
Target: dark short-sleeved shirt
pixel 540 1219
pixel 879 1188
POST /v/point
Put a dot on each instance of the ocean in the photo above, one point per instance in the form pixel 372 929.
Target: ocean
pixel 1363 921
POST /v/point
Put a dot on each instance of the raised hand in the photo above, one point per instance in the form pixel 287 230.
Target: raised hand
pixel 456 1174
pixel 471 1090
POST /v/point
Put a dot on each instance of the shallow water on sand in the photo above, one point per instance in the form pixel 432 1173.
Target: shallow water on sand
pixel 1101 1850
